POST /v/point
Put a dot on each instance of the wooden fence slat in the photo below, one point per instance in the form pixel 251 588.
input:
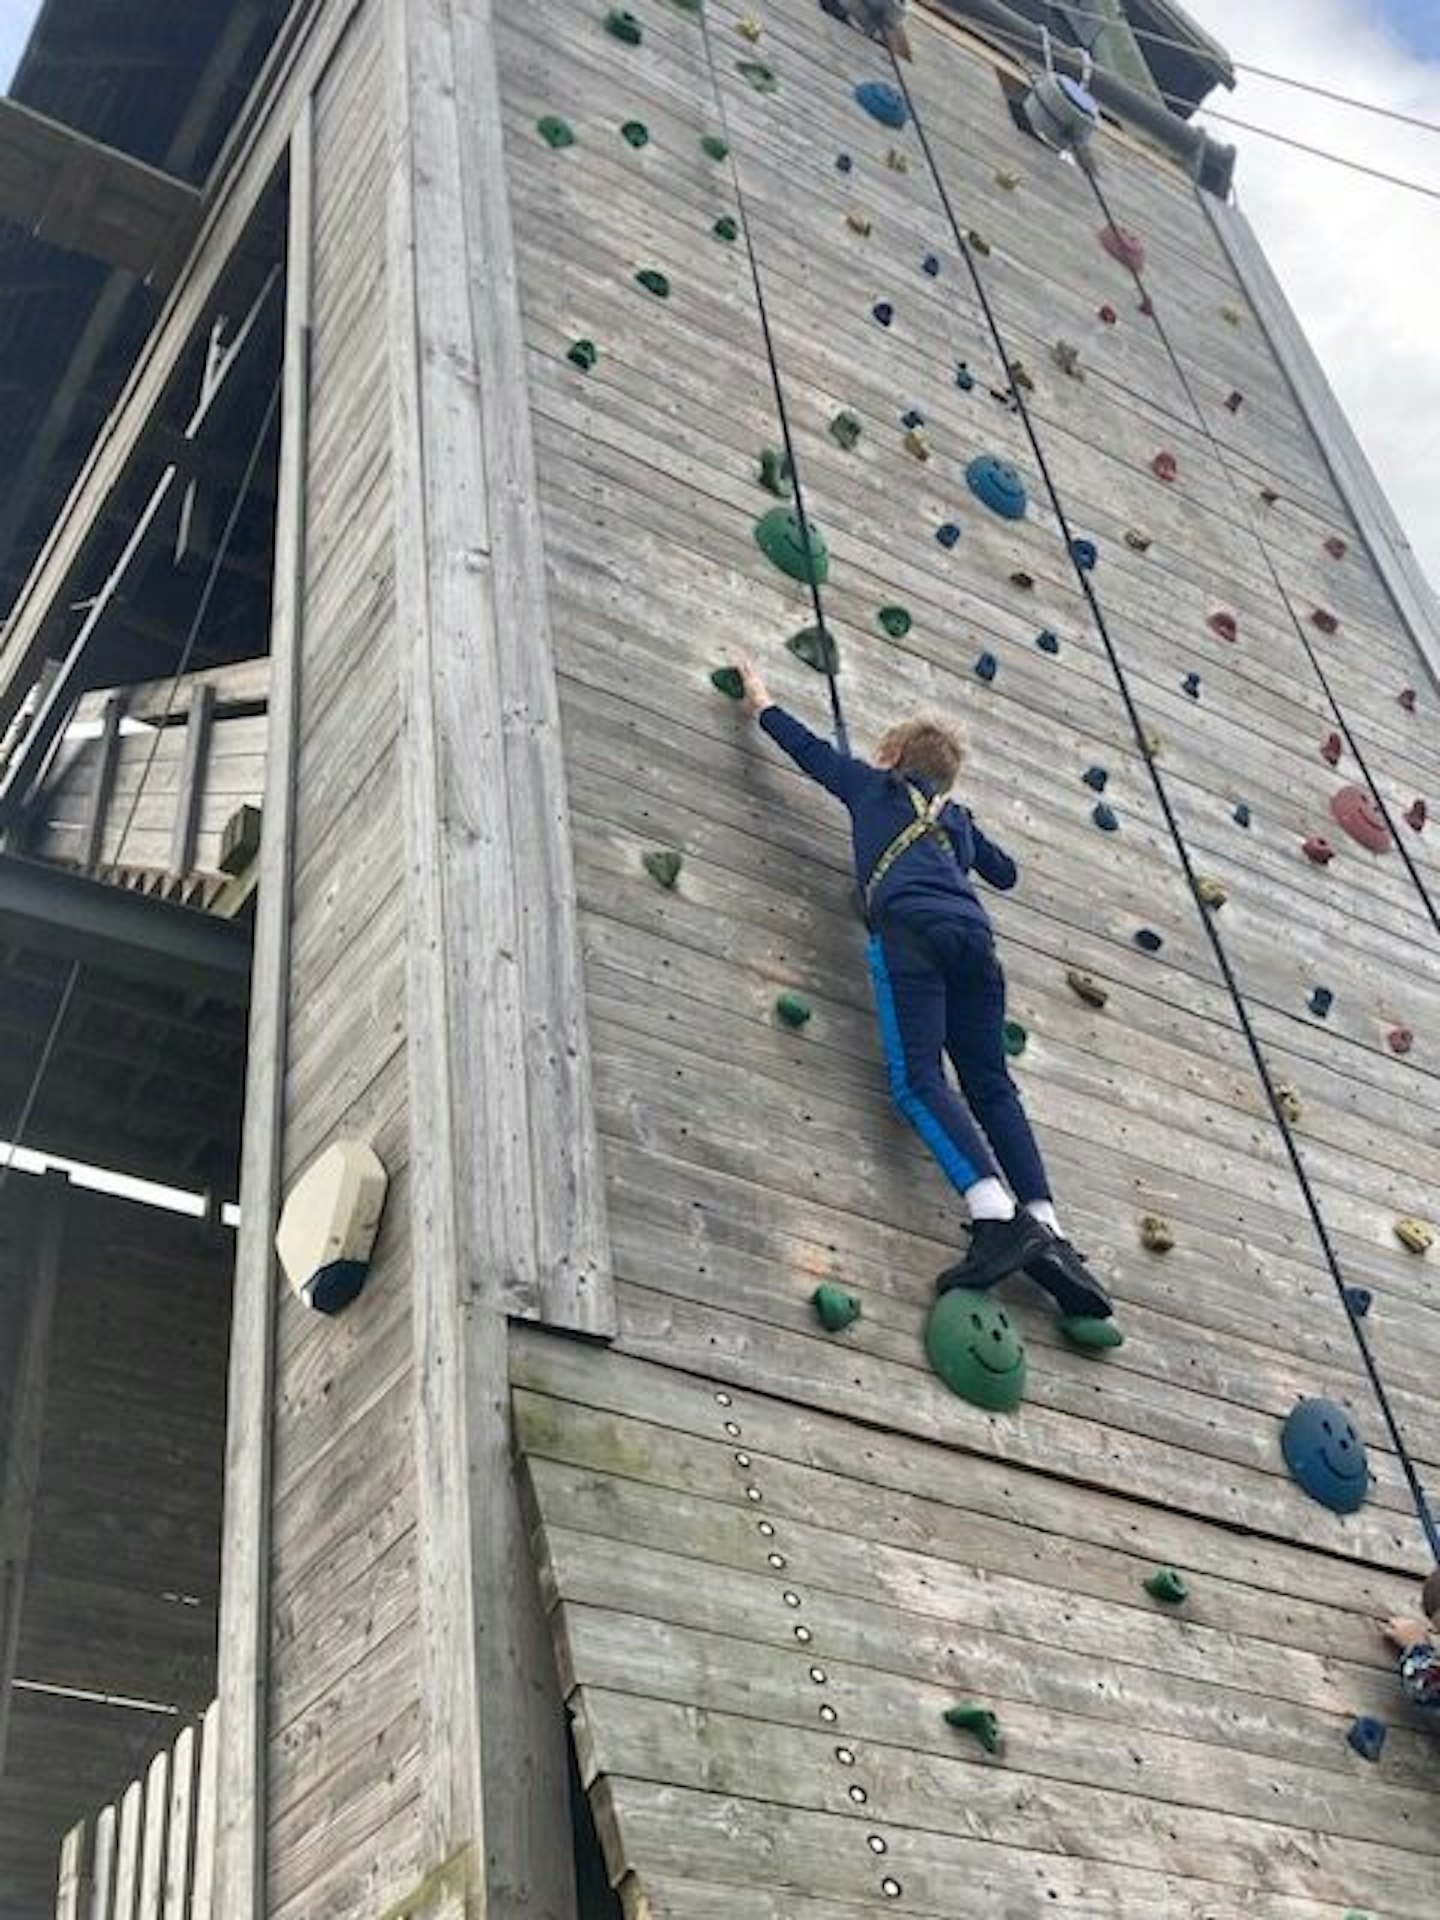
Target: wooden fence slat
pixel 180 1838
pixel 102 1867
pixel 127 1852
pixel 73 1884
pixel 202 1899
pixel 152 1838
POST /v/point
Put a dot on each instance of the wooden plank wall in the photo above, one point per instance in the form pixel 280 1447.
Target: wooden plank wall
pixel 120 1584
pixel 745 1163
pixel 343 1686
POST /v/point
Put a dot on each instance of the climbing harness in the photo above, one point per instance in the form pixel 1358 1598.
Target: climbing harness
pixel 925 826
pixel 809 535
pixel 1086 582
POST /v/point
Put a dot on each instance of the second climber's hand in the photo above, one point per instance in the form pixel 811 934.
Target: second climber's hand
pixel 1404 1633
pixel 757 694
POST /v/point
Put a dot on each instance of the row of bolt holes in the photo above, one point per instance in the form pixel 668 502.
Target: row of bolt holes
pixel 844 1756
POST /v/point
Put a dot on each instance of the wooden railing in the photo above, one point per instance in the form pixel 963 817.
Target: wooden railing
pixel 150 1855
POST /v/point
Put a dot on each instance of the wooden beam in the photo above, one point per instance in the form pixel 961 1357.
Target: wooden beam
pixel 75 193
pixel 191 792
pixel 104 780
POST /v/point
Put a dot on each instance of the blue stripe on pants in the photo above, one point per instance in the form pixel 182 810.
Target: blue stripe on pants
pixel 961 1165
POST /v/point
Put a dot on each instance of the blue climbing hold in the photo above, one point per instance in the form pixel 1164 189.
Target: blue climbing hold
pixel 1325 1455
pixel 1367 1736
pixel 883 103
pixel 931 264
pixel 964 378
pixel 948 535
pixel 1359 1300
pixel 883 312
pixel 998 485
pixel 1085 554
pixel 1047 641
pixel 1191 684
pixel 1105 817
pixel 843 163
pixel 1148 940
pixel 914 418
pixel 1241 815
pixel 986 667
pixel 1095 778
pixel 1320 1002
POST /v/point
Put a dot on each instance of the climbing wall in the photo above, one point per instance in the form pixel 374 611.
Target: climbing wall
pixel 775 1555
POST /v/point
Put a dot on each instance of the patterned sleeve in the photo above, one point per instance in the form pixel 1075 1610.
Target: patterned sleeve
pixel 1420 1674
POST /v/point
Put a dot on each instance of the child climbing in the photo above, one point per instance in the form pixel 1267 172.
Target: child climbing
pixel 939 989
pixel 1418 1644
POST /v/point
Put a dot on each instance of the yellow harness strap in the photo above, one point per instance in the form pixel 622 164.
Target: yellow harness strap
pixel 926 821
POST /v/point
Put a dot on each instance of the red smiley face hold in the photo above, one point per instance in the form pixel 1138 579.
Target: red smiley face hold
pixel 1126 247
pixel 1165 466
pixel 1358 812
pixel 1400 1039
pixel 1224 626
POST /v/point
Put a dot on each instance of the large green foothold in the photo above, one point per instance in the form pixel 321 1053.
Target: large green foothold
pixel 845 428
pixel 727 680
pixel 726 228
pixel 583 354
pixel 798 551
pixel 976 1351
pixel 621 25
pixel 977 1720
pixel 1167 1585
pixel 1091 1335
pixel 764 79
pixel 653 281
pixel 554 131
pixel 663 866
pixel 1016 1039
pixel 896 621
pixel 713 147
pixel 834 1307
pixel 817 647
pixel 636 133
pixel 775 475
pixel 793 1009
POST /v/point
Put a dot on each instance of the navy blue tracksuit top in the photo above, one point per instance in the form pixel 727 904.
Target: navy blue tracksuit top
pixel 924 884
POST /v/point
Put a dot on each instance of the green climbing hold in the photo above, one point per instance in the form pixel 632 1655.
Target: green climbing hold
pixel 554 131
pixel 1167 1585
pixel 845 428
pixel 623 26
pixel 713 147
pixel 727 680
pixel 793 1009
pixel 636 132
pixel 834 1307
pixel 583 354
pixel 663 866
pixel 764 79
pixel 653 281
pixel 1016 1039
pixel 797 549
pixel 692 7
pixel 775 474
pixel 975 1350
pixel 1089 1334
pixel 726 228
pixel 977 1720
pixel 817 647
pixel 896 621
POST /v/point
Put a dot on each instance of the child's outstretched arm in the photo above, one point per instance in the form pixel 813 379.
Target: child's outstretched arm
pixel 836 772
pixel 992 863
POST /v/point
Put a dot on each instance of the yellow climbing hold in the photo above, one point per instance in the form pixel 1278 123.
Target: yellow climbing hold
pixel 1154 743
pixel 1021 376
pixel 1288 1101
pixel 1137 539
pixel 1156 1233
pixel 1232 315
pixel 1086 986
pixel 1212 892
pixel 1417 1235
pixel 897 161
pixel 917 444
pixel 1007 178
pixel 749 29
pixel 859 222
pixel 1067 358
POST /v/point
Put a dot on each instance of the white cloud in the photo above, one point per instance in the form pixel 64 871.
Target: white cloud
pixel 1359 260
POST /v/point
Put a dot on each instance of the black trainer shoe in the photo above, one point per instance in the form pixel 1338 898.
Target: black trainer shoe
pixel 1062 1272
pixel 997 1248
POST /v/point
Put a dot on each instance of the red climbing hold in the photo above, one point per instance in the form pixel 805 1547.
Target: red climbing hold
pixel 1108 314
pixel 1416 815
pixel 1165 466
pixel 1336 547
pixel 1234 401
pixel 1406 697
pixel 1331 748
pixel 1400 1039
pixel 1326 622
pixel 1147 306
pixel 1224 625
pixel 1359 814
pixel 1318 849
pixel 1126 247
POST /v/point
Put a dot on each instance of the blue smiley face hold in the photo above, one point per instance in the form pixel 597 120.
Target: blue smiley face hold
pixel 1326 1456
pixel 999 485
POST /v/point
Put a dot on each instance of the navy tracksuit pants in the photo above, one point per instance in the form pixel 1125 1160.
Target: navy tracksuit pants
pixel 942 991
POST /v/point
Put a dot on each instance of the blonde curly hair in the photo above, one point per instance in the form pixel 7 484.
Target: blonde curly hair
pixel 926 745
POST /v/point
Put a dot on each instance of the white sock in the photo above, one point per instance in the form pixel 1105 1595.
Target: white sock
pixel 1044 1212
pixel 988 1200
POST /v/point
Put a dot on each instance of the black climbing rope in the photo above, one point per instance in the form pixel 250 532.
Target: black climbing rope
pixel 1222 958
pixel 837 711
pixel 1251 526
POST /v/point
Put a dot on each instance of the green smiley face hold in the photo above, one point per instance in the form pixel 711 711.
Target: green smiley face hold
pixel 781 538
pixel 976 1350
